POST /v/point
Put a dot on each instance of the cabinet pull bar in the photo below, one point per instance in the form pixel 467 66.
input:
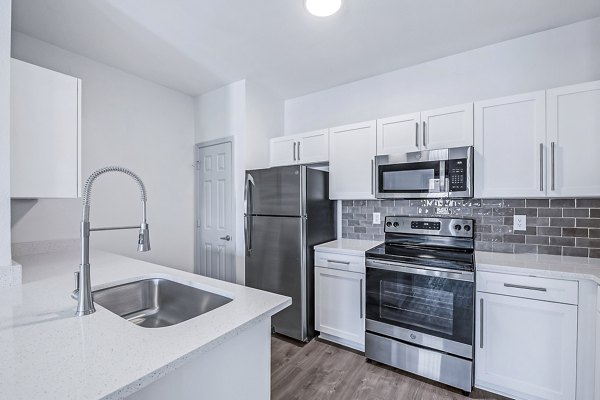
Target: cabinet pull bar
pixel 361 299
pixel 298 151
pixel 339 262
pixel 481 323
pixel 541 167
pixel 294 152
pixel 417 135
pixel 511 285
pixel 424 134
pixel 552 146
pixel 372 177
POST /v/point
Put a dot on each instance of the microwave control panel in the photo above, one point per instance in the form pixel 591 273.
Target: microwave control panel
pixel 457 175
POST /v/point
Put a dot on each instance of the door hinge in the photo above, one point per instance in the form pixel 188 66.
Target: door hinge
pixel 196 165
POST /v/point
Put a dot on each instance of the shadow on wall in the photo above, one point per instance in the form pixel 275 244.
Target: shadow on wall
pixel 19 208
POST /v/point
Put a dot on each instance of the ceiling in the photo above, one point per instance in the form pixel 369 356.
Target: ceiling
pixel 198 45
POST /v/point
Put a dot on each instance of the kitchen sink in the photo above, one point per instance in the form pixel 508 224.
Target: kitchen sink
pixel 157 302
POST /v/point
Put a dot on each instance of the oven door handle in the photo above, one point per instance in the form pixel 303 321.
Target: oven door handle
pixel 411 269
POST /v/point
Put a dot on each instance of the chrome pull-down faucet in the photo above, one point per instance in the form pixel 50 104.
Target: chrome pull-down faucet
pixel 85 303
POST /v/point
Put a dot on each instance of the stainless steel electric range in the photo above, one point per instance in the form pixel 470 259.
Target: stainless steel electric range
pixel 420 298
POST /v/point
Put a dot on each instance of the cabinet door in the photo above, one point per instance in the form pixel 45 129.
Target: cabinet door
pixel 399 134
pixel 510 138
pixel 283 151
pixel 525 348
pixel 447 127
pixel 574 140
pixel 313 147
pixel 45 133
pixel 351 161
pixel 339 304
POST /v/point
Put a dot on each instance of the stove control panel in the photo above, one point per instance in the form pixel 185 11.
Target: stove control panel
pixel 458 227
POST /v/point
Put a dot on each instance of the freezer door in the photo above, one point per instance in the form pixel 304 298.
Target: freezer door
pixel 276 263
pixel 275 191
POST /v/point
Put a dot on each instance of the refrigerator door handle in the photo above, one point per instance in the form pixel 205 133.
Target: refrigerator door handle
pixel 248 216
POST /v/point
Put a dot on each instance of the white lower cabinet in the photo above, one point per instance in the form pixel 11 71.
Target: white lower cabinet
pixel 340 306
pixel 525 348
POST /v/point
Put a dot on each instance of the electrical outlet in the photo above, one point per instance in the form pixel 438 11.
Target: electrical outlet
pixel 520 223
pixel 376 218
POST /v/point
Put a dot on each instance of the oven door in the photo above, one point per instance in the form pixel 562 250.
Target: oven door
pixel 427 307
pixel 421 179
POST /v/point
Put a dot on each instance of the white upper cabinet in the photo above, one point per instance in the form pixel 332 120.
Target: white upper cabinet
pixel 447 127
pixel 427 130
pixel 352 150
pixel 305 148
pixel 283 151
pixel 574 140
pixel 313 147
pixel 401 134
pixel 510 139
pixel 45 133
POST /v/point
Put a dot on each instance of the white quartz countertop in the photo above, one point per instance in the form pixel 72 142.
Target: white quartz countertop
pixel 540 265
pixel 48 353
pixel 354 247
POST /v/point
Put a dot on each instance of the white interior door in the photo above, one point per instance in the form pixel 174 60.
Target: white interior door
pixel 215 246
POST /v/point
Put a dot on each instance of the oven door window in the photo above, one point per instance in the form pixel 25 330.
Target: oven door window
pixel 421 177
pixel 432 305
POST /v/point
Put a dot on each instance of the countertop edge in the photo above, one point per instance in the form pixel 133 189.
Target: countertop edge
pixel 168 368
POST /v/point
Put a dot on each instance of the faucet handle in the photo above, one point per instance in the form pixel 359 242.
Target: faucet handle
pixel 76 273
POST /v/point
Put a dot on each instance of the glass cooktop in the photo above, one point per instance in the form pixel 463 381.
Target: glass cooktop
pixel 435 257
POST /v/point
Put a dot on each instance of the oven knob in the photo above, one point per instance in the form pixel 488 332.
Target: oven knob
pixel 457 227
pixel 413 336
pixel 388 224
pixel 396 224
pixel 467 228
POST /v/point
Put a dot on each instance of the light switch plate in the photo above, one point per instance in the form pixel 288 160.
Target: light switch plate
pixel 520 223
pixel 376 218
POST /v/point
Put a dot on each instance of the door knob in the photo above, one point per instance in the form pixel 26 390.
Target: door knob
pixel 228 238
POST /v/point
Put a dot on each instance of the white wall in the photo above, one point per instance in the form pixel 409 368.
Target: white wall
pixel 557 57
pixel 5 22
pixel 222 113
pixel 131 122
pixel 264 121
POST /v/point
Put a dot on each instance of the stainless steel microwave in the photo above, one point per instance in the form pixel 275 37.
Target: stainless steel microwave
pixel 443 173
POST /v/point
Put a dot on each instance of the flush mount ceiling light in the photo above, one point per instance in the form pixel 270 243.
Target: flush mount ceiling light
pixel 322 8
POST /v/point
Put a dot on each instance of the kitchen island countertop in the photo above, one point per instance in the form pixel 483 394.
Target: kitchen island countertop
pixel 47 352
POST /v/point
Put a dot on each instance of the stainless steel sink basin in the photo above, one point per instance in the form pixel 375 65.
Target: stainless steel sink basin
pixel 158 302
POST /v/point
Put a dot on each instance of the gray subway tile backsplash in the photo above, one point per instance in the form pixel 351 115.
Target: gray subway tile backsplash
pixel 569 227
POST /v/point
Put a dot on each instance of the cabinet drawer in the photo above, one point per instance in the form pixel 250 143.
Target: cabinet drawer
pixel 530 287
pixel 342 262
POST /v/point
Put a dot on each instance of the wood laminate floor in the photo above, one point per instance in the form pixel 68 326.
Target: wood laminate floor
pixel 320 370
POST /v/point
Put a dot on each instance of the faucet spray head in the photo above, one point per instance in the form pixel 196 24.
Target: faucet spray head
pixel 144 238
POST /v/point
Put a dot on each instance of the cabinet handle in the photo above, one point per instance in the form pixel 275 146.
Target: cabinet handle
pixel 424 134
pixel 417 135
pixel 372 177
pixel 298 151
pixel 481 323
pixel 541 167
pixel 511 285
pixel 294 152
pixel 552 146
pixel 361 299
pixel 339 262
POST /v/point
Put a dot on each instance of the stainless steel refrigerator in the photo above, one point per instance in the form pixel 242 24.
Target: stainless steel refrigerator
pixel 288 212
